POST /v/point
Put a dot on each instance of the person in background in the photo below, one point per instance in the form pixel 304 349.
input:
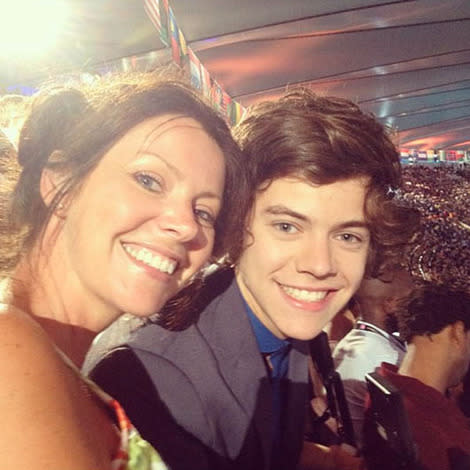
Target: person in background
pixel 341 324
pixel 463 395
pixel 435 323
pixel 126 189
pixel 372 341
pixel 236 388
pixel 439 253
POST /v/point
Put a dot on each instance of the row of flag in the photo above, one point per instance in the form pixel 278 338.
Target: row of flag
pixel 161 14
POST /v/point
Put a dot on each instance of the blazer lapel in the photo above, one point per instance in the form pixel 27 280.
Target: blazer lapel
pixel 297 400
pixel 242 365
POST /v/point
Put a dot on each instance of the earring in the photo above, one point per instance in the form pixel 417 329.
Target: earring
pixel 60 210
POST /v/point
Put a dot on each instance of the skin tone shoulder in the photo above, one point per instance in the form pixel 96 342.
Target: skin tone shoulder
pixel 140 226
pixel 43 430
pixel 305 253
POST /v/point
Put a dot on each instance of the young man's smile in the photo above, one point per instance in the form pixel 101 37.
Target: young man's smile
pixel 305 254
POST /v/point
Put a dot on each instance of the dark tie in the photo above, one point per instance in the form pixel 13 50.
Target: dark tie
pixel 277 362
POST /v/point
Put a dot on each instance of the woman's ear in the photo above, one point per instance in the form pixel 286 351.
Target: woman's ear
pixel 51 180
pixel 49 185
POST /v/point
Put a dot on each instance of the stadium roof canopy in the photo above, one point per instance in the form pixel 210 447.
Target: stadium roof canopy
pixel 406 61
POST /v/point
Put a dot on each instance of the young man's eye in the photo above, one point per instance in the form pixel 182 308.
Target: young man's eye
pixel 148 182
pixel 286 227
pixel 350 238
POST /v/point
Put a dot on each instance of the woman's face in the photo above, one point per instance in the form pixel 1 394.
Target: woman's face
pixel 143 222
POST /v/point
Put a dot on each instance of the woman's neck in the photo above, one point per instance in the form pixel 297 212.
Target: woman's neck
pixel 70 318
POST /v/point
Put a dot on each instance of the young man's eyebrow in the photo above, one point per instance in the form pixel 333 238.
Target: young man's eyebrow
pixel 354 223
pixel 283 210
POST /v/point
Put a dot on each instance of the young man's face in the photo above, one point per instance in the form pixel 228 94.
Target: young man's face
pixel 304 255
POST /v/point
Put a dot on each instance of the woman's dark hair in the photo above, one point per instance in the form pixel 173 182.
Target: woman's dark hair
pixel 70 130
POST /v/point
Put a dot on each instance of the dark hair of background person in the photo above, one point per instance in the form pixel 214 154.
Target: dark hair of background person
pixel 430 308
pixel 71 129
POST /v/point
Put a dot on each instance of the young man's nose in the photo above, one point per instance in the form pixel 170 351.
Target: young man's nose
pixel 317 258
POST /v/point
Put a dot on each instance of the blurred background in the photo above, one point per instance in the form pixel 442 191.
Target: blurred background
pixel 408 62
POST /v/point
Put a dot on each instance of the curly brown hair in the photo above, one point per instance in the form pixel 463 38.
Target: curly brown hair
pixel 324 139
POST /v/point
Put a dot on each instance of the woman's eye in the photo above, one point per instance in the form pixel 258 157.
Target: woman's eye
pixel 206 217
pixel 148 182
pixel 286 227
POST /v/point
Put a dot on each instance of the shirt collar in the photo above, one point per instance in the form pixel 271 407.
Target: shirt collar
pixel 267 341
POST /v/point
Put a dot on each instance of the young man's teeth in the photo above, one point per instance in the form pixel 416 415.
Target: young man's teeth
pixel 305 295
pixel 164 265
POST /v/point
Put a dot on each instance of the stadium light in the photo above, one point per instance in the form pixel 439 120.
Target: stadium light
pixel 29 28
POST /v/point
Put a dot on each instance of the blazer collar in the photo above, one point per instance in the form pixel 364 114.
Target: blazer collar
pixel 236 348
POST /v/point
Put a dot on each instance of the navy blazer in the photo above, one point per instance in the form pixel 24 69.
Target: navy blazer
pixel 202 396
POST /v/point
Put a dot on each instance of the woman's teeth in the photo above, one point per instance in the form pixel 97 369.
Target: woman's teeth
pixel 165 265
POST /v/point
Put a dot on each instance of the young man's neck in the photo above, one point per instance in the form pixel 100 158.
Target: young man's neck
pixel 248 298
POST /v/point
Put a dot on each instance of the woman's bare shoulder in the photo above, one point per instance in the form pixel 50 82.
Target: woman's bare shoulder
pixel 23 337
pixel 27 357
pixel 41 400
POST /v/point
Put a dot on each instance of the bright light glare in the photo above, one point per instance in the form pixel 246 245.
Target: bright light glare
pixel 30 27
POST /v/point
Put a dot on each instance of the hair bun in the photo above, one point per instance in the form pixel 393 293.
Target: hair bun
pixel 52 116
